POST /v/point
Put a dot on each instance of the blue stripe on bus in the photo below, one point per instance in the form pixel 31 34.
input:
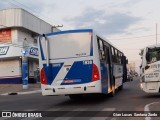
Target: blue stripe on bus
pixel 91 47
pixel 42 54
pixel 104 77
pixel 79 73
pixel 68 31
pixel 51 71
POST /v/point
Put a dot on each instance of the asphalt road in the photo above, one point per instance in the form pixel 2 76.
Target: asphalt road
pixel 131 98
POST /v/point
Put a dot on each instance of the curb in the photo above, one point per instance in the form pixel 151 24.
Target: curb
pixel 21 93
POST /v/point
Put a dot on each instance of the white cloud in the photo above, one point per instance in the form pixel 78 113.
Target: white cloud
pixel 102 22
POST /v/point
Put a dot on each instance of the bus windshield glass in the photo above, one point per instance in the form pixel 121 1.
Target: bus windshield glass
pixel 70 45
pixel 153 55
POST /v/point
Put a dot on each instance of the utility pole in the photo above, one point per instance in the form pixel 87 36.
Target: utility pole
pixel 52 28
pixel 24 65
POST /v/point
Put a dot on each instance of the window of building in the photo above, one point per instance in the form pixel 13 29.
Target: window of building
pixel 5 35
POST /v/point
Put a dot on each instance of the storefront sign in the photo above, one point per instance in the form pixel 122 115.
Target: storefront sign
pixel 5 35
pixel 4 50
pixel 33 51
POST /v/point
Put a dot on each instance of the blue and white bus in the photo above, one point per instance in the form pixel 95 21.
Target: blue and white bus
pixel 78 62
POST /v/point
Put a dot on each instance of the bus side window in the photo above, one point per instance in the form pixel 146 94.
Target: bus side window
pixel 113 54
pixel 106 52
pixel 119 57
pixel 101 49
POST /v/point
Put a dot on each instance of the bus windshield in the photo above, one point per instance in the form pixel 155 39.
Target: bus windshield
pixel 70 45
pixel 153 55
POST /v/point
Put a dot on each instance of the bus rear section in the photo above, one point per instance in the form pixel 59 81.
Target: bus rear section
pixel 67 63
pixel 150 69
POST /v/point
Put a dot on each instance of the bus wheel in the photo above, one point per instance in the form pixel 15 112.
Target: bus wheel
pixel 121 87
pixel 113 91
pixel 75 97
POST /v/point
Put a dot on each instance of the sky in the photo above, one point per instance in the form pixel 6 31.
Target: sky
pixel 129 24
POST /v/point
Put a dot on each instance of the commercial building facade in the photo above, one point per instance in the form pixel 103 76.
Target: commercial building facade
pixel 19 30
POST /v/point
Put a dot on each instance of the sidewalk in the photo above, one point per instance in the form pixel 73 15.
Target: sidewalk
pixel 18 88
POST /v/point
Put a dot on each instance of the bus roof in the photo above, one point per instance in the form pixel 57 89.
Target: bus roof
pixel 80 30
pixel 152 46
pixel 106 40
pixel 68 31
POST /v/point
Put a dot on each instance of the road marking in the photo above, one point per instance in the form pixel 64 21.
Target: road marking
pixel 5 118
pixel 29 118
pixel 4 94
pixel 24 93
pixel 54 109
pixel 146 109
pixel 30 110
pixel 104 118
pixel 109 109
pixel 67 118
pixel 113 119
pixel 30 92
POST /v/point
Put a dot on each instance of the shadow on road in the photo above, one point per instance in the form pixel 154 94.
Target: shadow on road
pixel 156 95
pixel 84 100
pixel 90 99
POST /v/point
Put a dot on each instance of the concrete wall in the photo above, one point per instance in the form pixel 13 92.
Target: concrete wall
pixel 17 17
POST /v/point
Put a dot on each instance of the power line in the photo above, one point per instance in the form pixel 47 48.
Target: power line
pixel 34 11
pixel 134 37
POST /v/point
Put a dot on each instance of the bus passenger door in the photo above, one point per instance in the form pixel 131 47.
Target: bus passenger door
pixel 124 62
pixel 109 68
pixel 105 70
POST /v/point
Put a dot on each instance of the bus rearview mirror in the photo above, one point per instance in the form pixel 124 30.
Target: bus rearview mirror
pixel 147 56
pixel 126 61
pixel 146 67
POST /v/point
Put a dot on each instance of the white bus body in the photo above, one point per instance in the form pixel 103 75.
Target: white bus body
pixel 70 64
pixel 150 69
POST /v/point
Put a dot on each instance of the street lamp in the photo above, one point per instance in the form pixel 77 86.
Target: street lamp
pixel 53 27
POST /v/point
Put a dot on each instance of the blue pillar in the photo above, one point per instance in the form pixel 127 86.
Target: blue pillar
pixel 25 72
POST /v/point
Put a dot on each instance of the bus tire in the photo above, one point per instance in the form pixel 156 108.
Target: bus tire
pixel 75 97
pixel 121 87
pixel 113 89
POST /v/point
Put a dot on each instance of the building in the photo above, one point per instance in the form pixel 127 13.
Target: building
pixel 19 30
pixel 131 66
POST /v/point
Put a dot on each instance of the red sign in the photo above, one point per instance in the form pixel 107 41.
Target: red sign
pixel 5 35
